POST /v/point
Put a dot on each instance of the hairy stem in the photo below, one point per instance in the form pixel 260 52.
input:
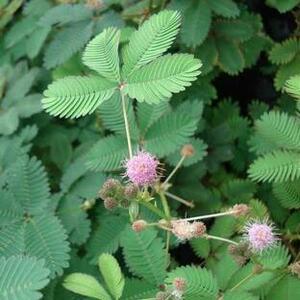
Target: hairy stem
pixel 187 203
pixel 213 237
pixel 226 213
pixel 126 124
pixel 174 170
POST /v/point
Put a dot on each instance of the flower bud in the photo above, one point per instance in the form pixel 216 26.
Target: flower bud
pixel 139 225
pixel 110 188
pixel 187 150
pixel 240 210
pixel 130 191
pixel 110 203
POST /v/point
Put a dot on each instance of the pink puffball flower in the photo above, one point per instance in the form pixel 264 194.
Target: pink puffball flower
pixel 260 235
pixel 141 169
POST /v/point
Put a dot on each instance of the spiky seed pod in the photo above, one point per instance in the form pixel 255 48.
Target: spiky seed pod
pixel 130 191
pixel 110 203
pixel 295 268
pixel 110 188
pixel 260 235
pixel 187 150
pixel 141 169
pixel 139 225
pixel 240 210
pixel 199 229
pixel 185 230
pixel 162 296
pixel 182 229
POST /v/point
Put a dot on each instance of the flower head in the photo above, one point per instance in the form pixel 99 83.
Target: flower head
pixel 240 210
pixel 185 230
pixel 141 169
pixel 260 235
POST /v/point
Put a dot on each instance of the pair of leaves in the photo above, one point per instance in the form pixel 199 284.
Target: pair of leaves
pixel 87 285
pixel 142 76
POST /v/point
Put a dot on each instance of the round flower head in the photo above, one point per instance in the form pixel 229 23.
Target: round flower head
pixel 260 235
pixel 141 169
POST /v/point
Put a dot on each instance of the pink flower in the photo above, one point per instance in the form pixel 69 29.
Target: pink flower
pixel 260 235
pixel 141 168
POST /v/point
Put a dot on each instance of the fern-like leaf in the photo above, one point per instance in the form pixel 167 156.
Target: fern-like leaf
pixel 147 114
pixel 136 289
pixel 46 238
pixel 288 193
pixel 278 166
pixel 283 53
pixel 28 182
pixel 151 40
pixel 107 154
pixel 163 77
pixel 200 282
pixel 169 133
pixel 275 257
pixel 280 130
pixel 76 96
pixel 22 278
pixel 66 43
pixel 144 255
pixel 292 86
pixel 101 54
pixel 106 237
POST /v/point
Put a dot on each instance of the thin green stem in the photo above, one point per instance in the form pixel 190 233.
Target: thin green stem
pixel 174 170
pixel 153 208
pixel 213 237
pixel 165 206
pixel 242 281
pixel 226 213
pixel 126 124
pixel 187 203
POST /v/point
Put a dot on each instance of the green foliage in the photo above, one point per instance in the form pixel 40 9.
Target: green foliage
pixel 103 60
pixel 22 278
pixel 159 79
pixel 200 282
pixel 145 255
pixel 86 285
pixel 77 96
pixel 112 275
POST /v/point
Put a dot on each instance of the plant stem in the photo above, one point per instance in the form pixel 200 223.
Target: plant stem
pixel 226 213
pixel 213 237
pixel 126 124
pixel 187 203
pixel 153 208
pixel 174 170
pixel 242 281
pixel 165 206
